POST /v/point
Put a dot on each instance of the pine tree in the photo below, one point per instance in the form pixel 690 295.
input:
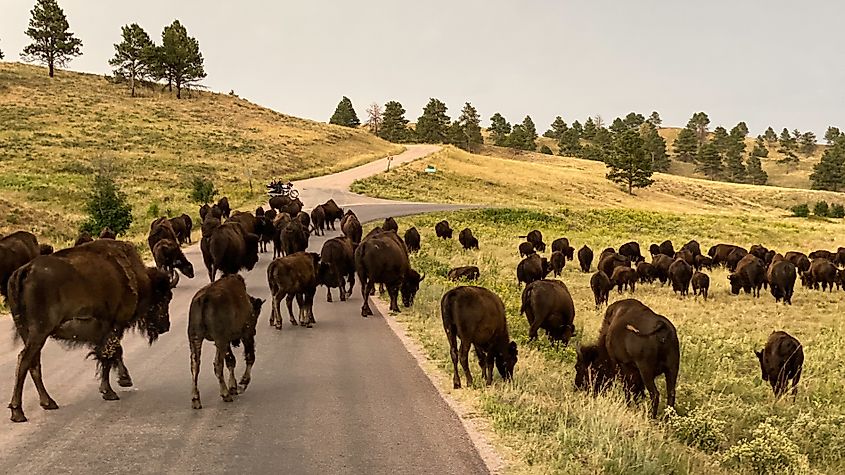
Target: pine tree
pixel 760 149
pixel 433 124
pixel 394 125
pixel 698 123
pixel 832 135
pixel 770 135
pixel 618 126
pixel 569 143
pixel 179 58
pixel 720 139
pixel 519 138
pixel 557 129
pixel 52 43
pixel 655 148
pixel 456 136
pixel 787 147
pixel 633 120
pixel 470 123
pixel 579 129
pixel 686 145
pixel 344 114
pixel 499 130
pixel 807 143
pixel 545 150
pixel 829 173
pixel 655 120
pixel 709 161
pixel 134 57
pixel 756 175
pixel 528 124
pixel 589 129
pixel 734 151
pixel 628 164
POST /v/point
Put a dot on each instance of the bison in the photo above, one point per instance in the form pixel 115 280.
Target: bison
pixel 412 239
pixel 86 295
pixel 390 225
pixel 646 272
pixel 703 262
pixel 318 220
pixel 781 276
pixel 16 249
pixel 562 245
pixel 585 258
pixel 229 249
pixel 442 230
pixel 693 247
pixel 661 264
pixel 532 268
pixel 822 272
pixel 383 258
pixel 680 274
pixel 612 261
pixel 294 276
pixel 666 248
pixel 547 304
pixel 334 213
pixel 224 313
pixel 535 237
pixel 624 277
pixel 180 228
pixel 338 259
pixel 781 360
pixel 476 316
pixel 223 204
pixel 467 240
pixel 631 250
pixel 601 286
pixel 558 261
pixel 700 284
pixel 294 237
pixel 526 249
pixel 799 259
pixel 351 227
pixel 749 276
pixel 463 273
pixel 284 204
pixel 107 233
pixel 83 238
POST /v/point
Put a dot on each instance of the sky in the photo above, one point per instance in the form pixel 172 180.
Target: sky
pixel 768 63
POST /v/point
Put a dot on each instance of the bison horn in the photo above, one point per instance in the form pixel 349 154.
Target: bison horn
pixel 174 279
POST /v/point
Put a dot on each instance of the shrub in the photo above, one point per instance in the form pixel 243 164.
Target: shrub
pixel 821 209
pixel 153 211
pixel 698 429
pixel 769 450
pixel 837 211
pixel 202 190
pixel 800 211
pixel 546 150
pixel 107 206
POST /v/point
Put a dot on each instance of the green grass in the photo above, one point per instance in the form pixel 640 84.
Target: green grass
pixel 55 132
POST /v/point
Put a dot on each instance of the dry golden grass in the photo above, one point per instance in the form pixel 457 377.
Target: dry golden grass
pixel 56 132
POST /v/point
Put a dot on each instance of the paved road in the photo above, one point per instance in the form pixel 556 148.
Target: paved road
pixel 342 397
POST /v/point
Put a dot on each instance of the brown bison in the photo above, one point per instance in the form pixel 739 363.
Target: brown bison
pixel 294 276
pixel 205 210
pixel 260 211
pixel 412 239
pixel 334 213
pixel 180 228
pixel 749 276
pixel 390 225
pixel 687 256
pixel 781 276
pixel 781 360
pixel 351 227
pixel 822 272
pixel 338 259
pixel 16 249
pixel 654 250
pixel 464 273
pixel 476 316
pixel 839 258
pixel 547 304
pixel 169 257
pixel 562 245
pixel 611 261
pixel 624 277
pixel 229 249
pixel 224 313
pixel 45 249
pixel 284 204
pixel 601 285
pixel 585 258
pixel 294 237
pixel 318 221
pixel 442 230
pixel 382 258
pixel 631 250
pixel 265 231
pixel 680 274
pixel 279 225
pixel 83 238
pixel 700 284
pixel 666 248
pixel 822 254
pixel 558 261
pixel 467 240
pixel 734 258
pixel 532 268
pixel 661 264
pixel 799 259
pixel 305 219
pixel 526 249
pixel 646 272
pixel 86 295
pixel 703 262
pixel 535 237
pixel 693 247
pixel 223 204
pixel 720 252
pixel 635 345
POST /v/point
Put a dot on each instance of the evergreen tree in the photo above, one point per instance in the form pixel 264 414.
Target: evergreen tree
pixel 520 139
pixel 832 135
pixel 570 144
pixel 52 43
pixel 134 56
pixel 760 149
pixel 470 123
pixel 720 139
pixel 686 145
pixel 528 124
pixel 106 207
pixel 655 148
pixel 655 120
pixel 734 152
pixel 499 130
pixel 344 114
pixel 557 129
pixel 628 164
pixel 433 124
pixel 807 143
pixel 394 125
pixel 770 135
pixel 709 161
pixel 699 123
pixel 787 147
pixel 633 120
pixel 456 136
pixel 546 150
pixel 829 173
pixel 579 129
pixel 589 129
pixel 756 175
pixel 179 57
pixel 618 126
pixel 603 139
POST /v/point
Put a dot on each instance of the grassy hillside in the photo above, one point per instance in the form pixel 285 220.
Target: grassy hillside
pixel 56 132
pixel 727 419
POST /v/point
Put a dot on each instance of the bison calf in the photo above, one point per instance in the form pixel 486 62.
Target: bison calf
pixel 412 239
pixel 601 286
pixel 700 284
pixel 558 261
pixel 585 258
pixel 781 361
pixel 464 273
pixel 532 268
pixel 294 276
pixel 624 277
pixel 442 230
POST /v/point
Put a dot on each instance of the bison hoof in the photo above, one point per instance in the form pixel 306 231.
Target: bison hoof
pixel 110 395
pixel 50 406
pixel 233 391
pixel 227 398
pixel 293 322
pixel 17 414
pixel 124 382
pixel 308 325
pixel 457 385
pixel 244 383
pixel 196 404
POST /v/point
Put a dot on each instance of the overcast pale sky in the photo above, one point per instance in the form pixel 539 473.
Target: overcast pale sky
pixel 766 62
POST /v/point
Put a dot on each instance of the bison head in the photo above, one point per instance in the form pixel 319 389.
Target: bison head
pixel 506 360
pixel 654 250
pixel 759 354
pixel 256 311
pixel 410 286
pixel 562 333
pixel 157 319
pixel 591 369
pixel 736 283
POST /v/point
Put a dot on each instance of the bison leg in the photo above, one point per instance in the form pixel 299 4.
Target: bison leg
pixel 453 352
pixel 464 354
pixel 329 293
pixel 230 365
pixel 249 356
pixel 196 353
pixel 123 378
pixel 351 284
pixel 366 286
pixel 303 313
pixel 671 384
pixel 342 282
pixel 218 371
pixel 482 362
pixel 25 359
pixel 795 381
pixel 647 376
pixel 393 292
pixel 534 328
pixel 35 373
pixel 309 306
pixel 107 354
pixel 289 304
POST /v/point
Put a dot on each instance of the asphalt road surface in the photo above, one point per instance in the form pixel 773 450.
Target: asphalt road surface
pixel 342 397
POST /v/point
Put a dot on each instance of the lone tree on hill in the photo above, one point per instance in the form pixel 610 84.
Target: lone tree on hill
pixel 499 130
pixel 52 43
pixel 686 145
pixel 374 118
pixel 627 162
pixel 179 58
pixel 433 124
pixel 394 125
pixel 345 114
pixel 134 56
pixel 470 123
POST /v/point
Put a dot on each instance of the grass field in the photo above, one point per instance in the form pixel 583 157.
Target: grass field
pixel 56 132
pixel 727 419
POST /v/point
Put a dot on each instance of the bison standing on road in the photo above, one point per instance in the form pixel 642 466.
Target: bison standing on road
pixel 382 258
pixel 318 220
pixel 442 230
pixel 334 213
pixel 224 313
pixel 167 253
pixel 585 258
pixel 86 295
pixel 286 205
pixel 294 276
pixel 547 304
pixel 476 316
pixel 228 249
pixel 412 239
pixel 338 259
pixel 351 227
pixel 16 249
pixel 781 360
pixel 467 240
pixel 294 237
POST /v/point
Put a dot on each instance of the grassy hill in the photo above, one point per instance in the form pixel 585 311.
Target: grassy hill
pixel 56 132
pixel 727 420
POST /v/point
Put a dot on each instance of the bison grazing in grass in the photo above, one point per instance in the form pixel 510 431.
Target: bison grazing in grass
pixel 351 227
pixel 338 259
pixel 666 248
pixel 624 278
pixel 781 276
pixel 661 264
pixel 822 273
pixel 646 273
pixel 467 240
pixel 390 224
pixel 382 258
pixel 585 258
pixel 799 259
pixel 631 250
pixel 535 237
pixel 601 286
pixel 700 284
pixel 294 276
pixel 703 262
pixel 222 312
pixel 558 262
pixel 532 268
pixel 464 273
pixel 635 345
pixel 526 249
pixel 16 249
pixel 749 276
pixel 680 274
pixel 412 239
pixel 442 230
pixel 547 304
pixel 86 295
pixel 476 316
pixel 781 360
pixel 562 245
pixel 612 260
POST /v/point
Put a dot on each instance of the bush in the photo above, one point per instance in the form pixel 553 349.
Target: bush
pixel 153 211
pixel 769 450
pixel 107 206
pixel 800 211
pixel 546 150
pixel 821 209
pixel 837 211
pixel 698 429
pixel 202 191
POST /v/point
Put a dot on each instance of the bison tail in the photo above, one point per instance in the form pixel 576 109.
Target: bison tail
pixel 14 299
pixel 526 297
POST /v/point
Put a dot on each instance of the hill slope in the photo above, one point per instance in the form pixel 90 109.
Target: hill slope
pixel 56 132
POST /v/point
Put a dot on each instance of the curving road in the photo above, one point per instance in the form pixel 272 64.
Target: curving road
pixel 342 397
